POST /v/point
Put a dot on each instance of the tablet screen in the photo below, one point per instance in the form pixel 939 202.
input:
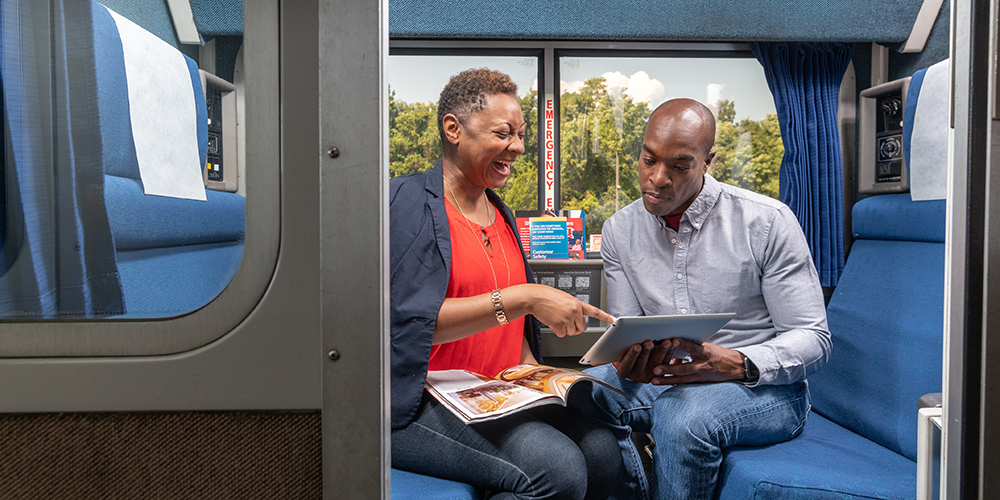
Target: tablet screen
pixel 629 330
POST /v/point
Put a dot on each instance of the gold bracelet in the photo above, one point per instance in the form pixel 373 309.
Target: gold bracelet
pixel 498 308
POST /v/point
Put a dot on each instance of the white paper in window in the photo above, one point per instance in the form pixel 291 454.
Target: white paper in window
pixel 162 111
pixel 929 140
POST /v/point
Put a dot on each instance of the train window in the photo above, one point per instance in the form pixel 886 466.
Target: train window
pixel 123 196
pixel 415 82
pixel 136 221
pixel 604 104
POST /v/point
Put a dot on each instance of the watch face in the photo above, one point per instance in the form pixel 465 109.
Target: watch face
pixel 750 371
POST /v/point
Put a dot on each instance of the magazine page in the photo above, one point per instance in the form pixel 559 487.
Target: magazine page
pixel 547 379
pixel 475 398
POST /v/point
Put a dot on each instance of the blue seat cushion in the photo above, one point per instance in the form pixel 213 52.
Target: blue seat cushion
pixel 886 318
pixel 141 221
pixel 825 461
pixel 411 486
pixel 168 281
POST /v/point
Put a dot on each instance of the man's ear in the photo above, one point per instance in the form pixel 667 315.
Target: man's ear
pixel 452 128
pixel 708 159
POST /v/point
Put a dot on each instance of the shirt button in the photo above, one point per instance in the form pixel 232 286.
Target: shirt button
pixel 680 276
pixel 684 311
pixel 673 240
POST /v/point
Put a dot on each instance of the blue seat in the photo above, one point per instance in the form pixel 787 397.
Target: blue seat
pixel 410 486
pixel 174 255
pixel 886 318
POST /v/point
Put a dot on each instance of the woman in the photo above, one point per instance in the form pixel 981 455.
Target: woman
pixel 463 297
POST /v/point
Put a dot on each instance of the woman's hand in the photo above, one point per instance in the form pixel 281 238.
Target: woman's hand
pixel 465 316
pixel 560 311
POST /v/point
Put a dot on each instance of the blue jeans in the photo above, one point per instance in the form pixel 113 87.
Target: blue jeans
pixel 546 452
pixel 690 425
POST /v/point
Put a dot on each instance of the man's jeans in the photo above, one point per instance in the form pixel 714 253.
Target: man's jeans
pixel 690 425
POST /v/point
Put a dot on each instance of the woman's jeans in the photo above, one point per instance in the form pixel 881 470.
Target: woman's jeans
pixel 691 425
pixel 546 452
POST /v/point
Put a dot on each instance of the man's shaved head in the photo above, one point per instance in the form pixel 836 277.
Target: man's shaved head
pixel 686 113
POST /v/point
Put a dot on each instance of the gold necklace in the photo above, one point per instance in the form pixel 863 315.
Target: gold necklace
pixel 484 239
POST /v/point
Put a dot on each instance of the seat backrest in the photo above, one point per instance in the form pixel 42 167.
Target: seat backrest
pixel 174 254
pixel 886 317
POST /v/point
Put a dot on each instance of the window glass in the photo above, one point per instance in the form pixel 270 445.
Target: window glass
pixel 604 105
pixel 415 82
pixel 119 196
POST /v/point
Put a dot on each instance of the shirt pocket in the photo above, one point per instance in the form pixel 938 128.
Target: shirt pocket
pixel 726 291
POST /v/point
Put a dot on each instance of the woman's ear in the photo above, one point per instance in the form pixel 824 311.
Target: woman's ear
pixel 452 128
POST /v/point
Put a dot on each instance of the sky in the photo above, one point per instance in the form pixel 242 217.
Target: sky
pixel 651 80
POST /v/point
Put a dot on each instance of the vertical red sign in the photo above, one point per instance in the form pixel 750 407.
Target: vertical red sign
pixel 549 152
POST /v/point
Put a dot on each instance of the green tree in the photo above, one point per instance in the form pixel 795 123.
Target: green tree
pixel 748 152
pixel 600 137
pixel 415 146
pixel 601 133
pixel 414 142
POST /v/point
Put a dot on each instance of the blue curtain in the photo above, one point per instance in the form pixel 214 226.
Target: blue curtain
pixel 805 81
pixel 59 258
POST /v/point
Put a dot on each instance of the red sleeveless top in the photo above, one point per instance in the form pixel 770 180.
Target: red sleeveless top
pixel 491 351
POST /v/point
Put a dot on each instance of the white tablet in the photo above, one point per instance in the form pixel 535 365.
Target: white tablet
pixel 629 330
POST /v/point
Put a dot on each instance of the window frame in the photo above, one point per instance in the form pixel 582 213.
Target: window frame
pixel 76 337
pixel 486 49
pixel 549 52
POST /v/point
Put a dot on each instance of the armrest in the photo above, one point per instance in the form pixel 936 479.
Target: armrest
pixel 931 400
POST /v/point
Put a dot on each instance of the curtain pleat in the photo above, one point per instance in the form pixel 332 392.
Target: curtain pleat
pixel 805 81
pixel 59 258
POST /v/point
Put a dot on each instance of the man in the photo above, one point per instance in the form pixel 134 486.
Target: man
pixel 695 245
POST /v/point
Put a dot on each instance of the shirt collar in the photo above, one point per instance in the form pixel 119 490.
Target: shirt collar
pixel 702 205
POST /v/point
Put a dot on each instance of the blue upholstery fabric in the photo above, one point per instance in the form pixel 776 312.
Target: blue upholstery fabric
pixel 139 221
pixel 889 21
pixel 936 49
pixel 218 17
pixel 896 217
pixel 886 318
pixel 167 281
pixel 112 93
pixel 805 81
pixel 784 20
pixel 153 16
pixel 826 461
pixel 410 486
pixel 173 255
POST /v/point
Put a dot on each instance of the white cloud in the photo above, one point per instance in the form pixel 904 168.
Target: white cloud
pixel 570 87
pixel 713 92
pixel 614 80
pixel 642 88
pixel 639 87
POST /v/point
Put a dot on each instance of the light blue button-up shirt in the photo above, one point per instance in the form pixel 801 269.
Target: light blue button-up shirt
pixel 735 251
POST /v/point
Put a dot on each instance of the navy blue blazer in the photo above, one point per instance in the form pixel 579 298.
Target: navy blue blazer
pixel 420 263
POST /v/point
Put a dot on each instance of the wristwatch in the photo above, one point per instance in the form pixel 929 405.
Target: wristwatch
pixel 751 375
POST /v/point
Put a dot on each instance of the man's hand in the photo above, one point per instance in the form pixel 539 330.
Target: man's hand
pixel 709 363
pixel 639 360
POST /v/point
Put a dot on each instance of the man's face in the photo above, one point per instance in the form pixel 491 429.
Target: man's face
pixel 672 163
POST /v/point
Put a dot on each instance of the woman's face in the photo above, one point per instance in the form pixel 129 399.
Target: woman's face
pixel 488 142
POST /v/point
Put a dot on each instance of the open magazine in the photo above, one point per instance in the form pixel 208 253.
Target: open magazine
pixel 477 398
